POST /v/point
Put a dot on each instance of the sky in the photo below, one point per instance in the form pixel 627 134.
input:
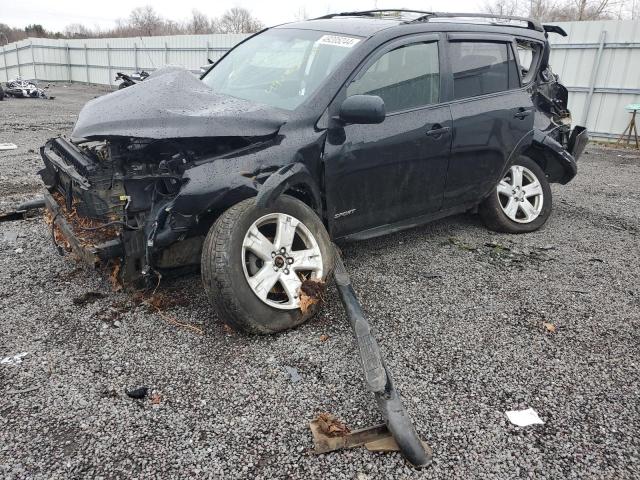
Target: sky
pixel 56 14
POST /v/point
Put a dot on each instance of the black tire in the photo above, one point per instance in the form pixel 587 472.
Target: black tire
pixel 495 218
pixel 223 274
pixel 1 94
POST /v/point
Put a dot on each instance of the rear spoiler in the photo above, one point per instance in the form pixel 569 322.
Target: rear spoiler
pixel 554 29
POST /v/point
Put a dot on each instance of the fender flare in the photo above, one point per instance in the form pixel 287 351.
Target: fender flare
pixel 285 178
pixel 559 165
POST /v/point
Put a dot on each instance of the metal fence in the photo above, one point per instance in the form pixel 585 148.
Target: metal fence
pixel 599 62
pixel 98 60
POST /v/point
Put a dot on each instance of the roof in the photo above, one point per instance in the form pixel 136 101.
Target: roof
pixel 368 23
pixel 357 26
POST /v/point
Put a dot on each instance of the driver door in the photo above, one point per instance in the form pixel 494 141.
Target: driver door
pixel 377 175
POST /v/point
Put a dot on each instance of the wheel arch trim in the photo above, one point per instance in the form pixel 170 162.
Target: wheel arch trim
pixel 286 178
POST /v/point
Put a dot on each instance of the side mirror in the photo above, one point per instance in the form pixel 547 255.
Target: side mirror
pixel 363 109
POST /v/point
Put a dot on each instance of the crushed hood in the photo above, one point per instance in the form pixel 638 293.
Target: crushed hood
pixel 175 104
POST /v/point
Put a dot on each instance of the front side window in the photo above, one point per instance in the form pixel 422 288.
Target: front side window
pixel 407 77
pixel 480 68
pixel 280 67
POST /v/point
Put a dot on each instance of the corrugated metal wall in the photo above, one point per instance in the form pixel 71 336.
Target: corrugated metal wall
pixel 98 60
pixel 599 62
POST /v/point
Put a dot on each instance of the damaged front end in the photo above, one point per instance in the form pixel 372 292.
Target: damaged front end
pixel 142 169
pixel 108 200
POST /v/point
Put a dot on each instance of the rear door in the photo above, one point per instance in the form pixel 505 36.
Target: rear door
pixel 491 113
pixel 381 174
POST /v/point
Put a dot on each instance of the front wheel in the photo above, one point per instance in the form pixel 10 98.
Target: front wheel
pixel 254 261
pixel 521 202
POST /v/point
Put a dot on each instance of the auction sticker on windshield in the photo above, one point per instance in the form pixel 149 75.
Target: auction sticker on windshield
pixel 338 41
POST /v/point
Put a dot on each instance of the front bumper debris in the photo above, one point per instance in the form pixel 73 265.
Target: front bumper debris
pixel 377 375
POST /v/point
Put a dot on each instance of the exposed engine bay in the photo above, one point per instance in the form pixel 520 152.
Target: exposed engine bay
pixel 119 185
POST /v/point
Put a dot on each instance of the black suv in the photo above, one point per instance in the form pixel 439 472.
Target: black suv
pixel 344 127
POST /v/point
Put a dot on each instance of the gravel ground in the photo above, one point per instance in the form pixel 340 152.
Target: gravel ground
pixel 460 313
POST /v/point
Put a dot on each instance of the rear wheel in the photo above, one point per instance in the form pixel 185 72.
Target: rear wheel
pixel 254 261
pixel 521 202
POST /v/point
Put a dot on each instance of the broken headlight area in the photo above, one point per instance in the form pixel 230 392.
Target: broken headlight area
pixel 107 199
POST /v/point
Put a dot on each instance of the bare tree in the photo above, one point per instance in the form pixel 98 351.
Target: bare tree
pixel 593 10
pixel 199 23
pixel 145 20
pixel 541 9
pixel 239 20
pixel 503 7
pixel 555 10
pixel 9 34
pixel 77 30
pixel 171 27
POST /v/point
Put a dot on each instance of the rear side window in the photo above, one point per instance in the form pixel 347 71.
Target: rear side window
pixel 407 77
pixel 528 54
pixel 480 68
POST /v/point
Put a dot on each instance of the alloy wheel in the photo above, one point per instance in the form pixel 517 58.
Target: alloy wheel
pixel 520 194
pixel 278 254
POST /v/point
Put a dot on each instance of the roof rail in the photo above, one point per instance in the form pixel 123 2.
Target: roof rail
pixel 375 13
pixel 426 16
pixel 531 24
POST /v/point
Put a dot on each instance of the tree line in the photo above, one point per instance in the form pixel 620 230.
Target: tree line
pixel 144 21
pixel 566 10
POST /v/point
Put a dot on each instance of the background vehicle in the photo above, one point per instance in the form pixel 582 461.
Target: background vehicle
pixel 128 80
pixel 20 88
pixel 340 128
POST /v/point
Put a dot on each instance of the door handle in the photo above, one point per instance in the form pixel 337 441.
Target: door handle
pixel 437 130
pixel 522 113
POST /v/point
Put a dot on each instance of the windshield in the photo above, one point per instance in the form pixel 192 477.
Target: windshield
pixel 280 67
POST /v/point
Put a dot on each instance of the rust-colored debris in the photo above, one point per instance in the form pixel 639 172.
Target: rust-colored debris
pixel 114 274
pixel 89 231
pixel 57 233
pixel 158 302
pixel 377 438
pixel 161 300
pixel 311 292
pixel 330 425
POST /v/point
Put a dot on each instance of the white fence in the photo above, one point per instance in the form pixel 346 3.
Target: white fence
pixel 599 62
pixel 98 60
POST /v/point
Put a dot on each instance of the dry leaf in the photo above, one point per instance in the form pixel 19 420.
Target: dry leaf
pixel 550 327
pixel 311 292
pixel 306 302
pixel 156 398
pixel 88 231
pixel 324 338
pixel 331 426
pixel 114 276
